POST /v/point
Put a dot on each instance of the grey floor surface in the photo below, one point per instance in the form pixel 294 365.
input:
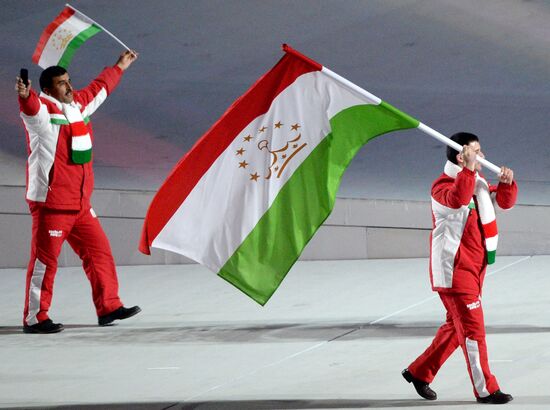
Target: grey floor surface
pixel 336 335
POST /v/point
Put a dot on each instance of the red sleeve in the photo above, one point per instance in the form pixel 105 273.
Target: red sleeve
pixel 456 194
pixel 108 79
pixel 507 195
pixel 31 105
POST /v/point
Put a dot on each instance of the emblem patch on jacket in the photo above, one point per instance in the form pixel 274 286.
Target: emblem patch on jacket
pixel 55 233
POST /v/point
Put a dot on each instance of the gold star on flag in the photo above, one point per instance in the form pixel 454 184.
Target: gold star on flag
pixel 240 151
pixel 279 124
pixel 295 127
pixel 254 176
pixel 247 138
pixel 263 129
pixel 243 164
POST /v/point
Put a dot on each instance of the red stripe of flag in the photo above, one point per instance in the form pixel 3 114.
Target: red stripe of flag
pixel 64 15
pixel 190 169
pixel 79 128
pixel 490 229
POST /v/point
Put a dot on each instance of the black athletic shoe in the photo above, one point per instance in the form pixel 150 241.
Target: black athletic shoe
pixel 46 326
pixel 422 388
pixel 119 314
pixel 497 397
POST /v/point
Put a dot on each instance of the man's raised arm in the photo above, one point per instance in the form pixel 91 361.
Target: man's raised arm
pixel 92 96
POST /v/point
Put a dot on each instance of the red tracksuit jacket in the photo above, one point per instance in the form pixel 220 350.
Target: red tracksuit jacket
pixel 457 244
pixel 53 180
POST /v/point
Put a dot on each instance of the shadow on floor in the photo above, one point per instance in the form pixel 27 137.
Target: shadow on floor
pixel 260 333
pixel 259 405
pixel 15 330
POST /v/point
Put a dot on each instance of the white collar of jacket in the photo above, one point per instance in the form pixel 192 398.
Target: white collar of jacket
pixel 58 103
pixel 51 99
pixel 452 170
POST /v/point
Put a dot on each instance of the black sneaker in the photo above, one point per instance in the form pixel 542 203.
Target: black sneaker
pixel 422 388
pixel 497 397
pixel 119 314
pixel 46 326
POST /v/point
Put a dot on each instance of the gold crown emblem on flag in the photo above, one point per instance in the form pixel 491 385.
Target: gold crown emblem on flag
pixel 280 157
pixel 61 39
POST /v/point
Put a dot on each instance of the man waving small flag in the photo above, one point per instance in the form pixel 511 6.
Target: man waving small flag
pixel 63 36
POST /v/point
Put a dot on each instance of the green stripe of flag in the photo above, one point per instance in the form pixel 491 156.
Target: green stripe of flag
pixel 263 259
pixel 76 43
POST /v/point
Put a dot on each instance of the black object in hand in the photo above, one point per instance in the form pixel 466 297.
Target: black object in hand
pixel 24 75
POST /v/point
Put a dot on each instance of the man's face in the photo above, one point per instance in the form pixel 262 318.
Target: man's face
pixel 477 148
pixel 61 89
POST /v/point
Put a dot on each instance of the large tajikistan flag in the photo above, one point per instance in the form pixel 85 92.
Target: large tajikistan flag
pixel 252 192
pixel 62 37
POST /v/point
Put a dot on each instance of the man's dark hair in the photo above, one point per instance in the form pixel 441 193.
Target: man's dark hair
pixel 461 138
pixel 46 78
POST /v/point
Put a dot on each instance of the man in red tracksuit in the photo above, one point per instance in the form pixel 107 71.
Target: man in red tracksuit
pixel 461 243
pixel 60 182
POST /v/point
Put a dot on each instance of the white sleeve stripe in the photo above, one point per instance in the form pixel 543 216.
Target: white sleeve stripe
pixel 441 210
pixel 95 103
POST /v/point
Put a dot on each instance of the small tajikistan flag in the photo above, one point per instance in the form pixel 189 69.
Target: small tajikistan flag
pixel 252 192
pixel 63 37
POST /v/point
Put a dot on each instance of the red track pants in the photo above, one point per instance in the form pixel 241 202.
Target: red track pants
pixel 50 228
pixel 464 327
